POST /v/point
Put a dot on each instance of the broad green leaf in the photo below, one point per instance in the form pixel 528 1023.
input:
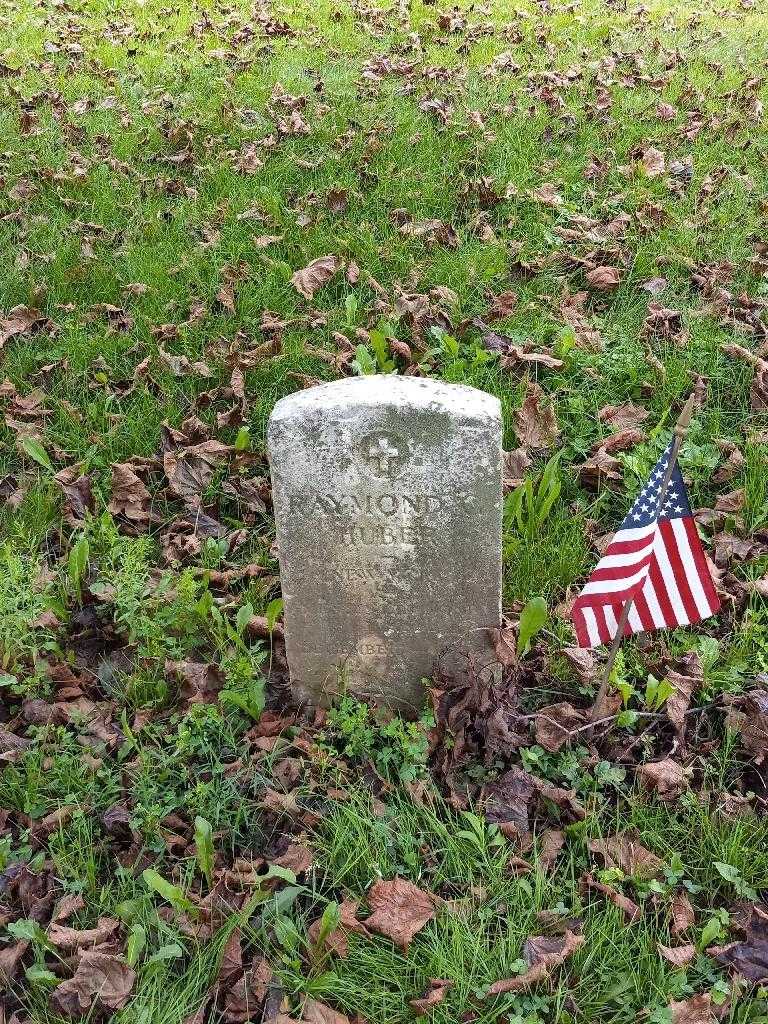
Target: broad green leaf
pixel 532 619
pixel 204 848
pixel 137 940
pixel 170 892
pixel 35 450
pixel 244 616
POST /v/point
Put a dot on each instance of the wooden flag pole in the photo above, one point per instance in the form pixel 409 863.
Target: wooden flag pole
pixel 683 422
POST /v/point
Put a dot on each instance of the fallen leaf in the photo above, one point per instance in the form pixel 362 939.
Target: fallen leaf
pixel 603 278
pixel 200 681
pixel 750 957
pixel 315 1012
pixel 748 715
pixel 74 938
pixel 101 979
pixel 696 1010
pixel 623 851
pixel 337 941
pixel 552 842
pixel 315 275
pixel 556 724
pixel 623 417
pixel 630 909
pixel 535 422
pixel 683 916
pixel 686 677
pixel 435 993
pixel 190 470
pixel 19 320
pixel 245 998
pixel 10 960
pixel 547 194
pixel 680 956
pixel 652 162
pixel 542 954
pixel 666 778
pixel 400 910
pixel 77 493
pixel 506 801
pixel 130 497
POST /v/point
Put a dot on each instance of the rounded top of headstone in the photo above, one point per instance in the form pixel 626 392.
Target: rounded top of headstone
pixel 391 390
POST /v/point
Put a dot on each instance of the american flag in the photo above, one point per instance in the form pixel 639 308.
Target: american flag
pixel 656 560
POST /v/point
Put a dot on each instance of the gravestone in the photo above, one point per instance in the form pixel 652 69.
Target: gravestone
pixel 387 499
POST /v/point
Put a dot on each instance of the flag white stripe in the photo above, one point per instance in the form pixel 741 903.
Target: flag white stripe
pixel 611 586
pixel 670 582
pixel 609 561
pixel 610 620
pixel 649 593
pixel 634 620
pixel 633 533
pixel 691 573
pixel 592 630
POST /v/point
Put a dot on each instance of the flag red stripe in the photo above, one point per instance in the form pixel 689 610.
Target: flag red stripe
pixel 701 565
pixel 660 590
pixel 678 568
pixel 619 572
pixel 644 612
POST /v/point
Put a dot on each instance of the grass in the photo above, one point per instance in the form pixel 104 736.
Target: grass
pixel 126 204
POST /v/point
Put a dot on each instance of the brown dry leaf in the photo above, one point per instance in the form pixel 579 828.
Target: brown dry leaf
pixel 315 275
pixel 623 417
pixel 759 387
pixel 130 498
pixel 315 1012
pixel 666 778
pixel 623 851
pixel 400 910
pixel 683 916
pixel 630 909
pixel 190 470
pixel 748 715
pixel 652 162
pixel 78 496
pixel 512 353
pixel 10 960
pixel 247 995
pixel 100 980
pixel 516 465
pixel 696 1010
pixel 750 957
pixel 200 681
pixel 502 305
pixel 733 501
pixel 604 279
pixel 75 938
pixel 535 421
pixel 552 842
pixel 680 956
pixel 506 801
pixel 19 320
pixel 600 468
pixel 547 194
pixel 542 954
pixel 556 724
pixel 435 993
pixel 686 677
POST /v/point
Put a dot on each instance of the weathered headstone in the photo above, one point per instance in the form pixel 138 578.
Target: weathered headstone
pixel 387 498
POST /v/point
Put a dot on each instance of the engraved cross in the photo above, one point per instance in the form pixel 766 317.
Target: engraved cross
pixel 381 451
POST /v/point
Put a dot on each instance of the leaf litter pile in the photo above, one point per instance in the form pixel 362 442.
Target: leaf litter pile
pixel 206 207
